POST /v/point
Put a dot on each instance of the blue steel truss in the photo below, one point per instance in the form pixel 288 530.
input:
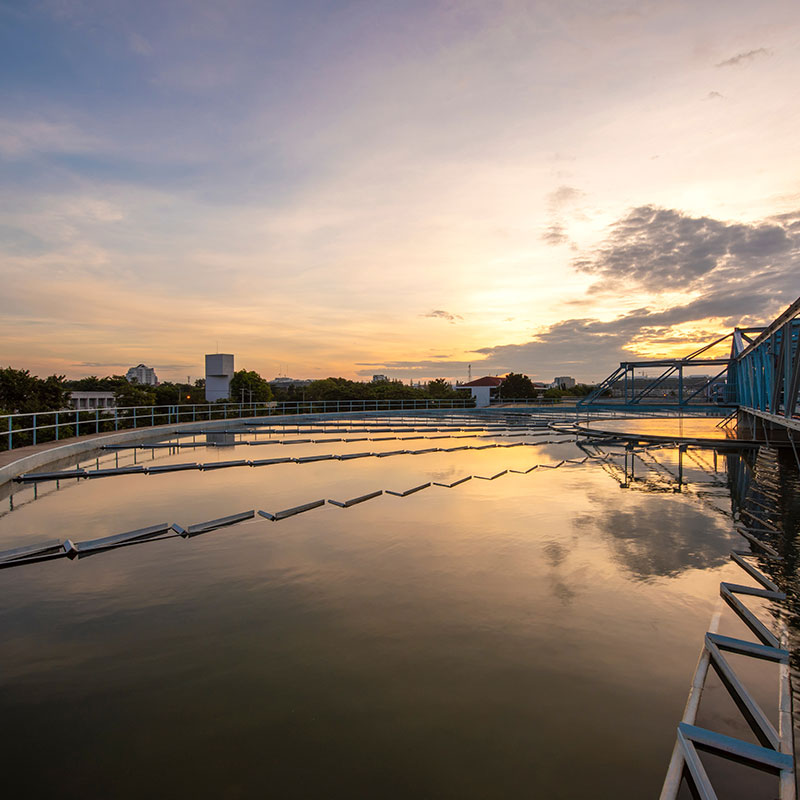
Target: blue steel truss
pixel 762 372
pixel 766 370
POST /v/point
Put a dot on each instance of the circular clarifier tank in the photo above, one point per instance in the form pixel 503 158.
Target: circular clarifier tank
pixel 702 430
pixel 450 606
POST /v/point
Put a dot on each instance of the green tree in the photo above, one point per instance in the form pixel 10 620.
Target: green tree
pixel 517 385
pixel 329 389
pixel 395 390
pixel 94 384
pixel 440 389
pixel 22 393
pixel 167 394
pixel 580 390
pixel 134 394
pixel 249 386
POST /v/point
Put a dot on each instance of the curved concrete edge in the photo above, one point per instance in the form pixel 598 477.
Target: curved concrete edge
pixel 69 450
pixel 64 452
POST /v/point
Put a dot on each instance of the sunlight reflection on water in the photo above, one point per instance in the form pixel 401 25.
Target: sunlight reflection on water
pixel 468 643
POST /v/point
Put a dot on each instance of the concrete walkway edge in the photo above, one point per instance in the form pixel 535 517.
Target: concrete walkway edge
pixel 26 459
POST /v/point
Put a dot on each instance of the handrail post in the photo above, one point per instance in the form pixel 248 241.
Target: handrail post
pixel 56 425
pixel 34 428
pixel 10 426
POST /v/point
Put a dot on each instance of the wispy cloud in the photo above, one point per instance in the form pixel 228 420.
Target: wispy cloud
pixel 20 137
pixel 743 58
pixel 560 205
pixel 104 364
pixel 563 196
pixel 439 314
pixel 140 45
pixel 129 363
pixel 555 235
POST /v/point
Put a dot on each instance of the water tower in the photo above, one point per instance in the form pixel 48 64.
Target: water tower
pixel 219 371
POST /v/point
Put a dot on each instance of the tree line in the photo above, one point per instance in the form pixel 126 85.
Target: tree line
pixel 22 393
pixel 516 385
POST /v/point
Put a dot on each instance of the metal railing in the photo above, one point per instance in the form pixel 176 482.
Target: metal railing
pixel 538 401
pixel 20 430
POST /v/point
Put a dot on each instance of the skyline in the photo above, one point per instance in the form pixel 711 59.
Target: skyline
pixel 357 188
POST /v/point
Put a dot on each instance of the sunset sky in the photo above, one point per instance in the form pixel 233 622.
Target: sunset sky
pixel 349 188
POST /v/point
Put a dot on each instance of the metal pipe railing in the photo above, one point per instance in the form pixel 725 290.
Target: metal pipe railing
pixel 538 401
pixel 19 430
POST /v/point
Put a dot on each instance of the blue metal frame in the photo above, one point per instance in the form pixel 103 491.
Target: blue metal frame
pixel 767 370
pixel 762 371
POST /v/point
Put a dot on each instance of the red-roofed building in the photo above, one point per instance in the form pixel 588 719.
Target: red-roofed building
pixel 482 389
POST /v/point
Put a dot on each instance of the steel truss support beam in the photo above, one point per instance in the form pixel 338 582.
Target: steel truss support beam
pixel 763 373
pixel 791 312
pixel 706 384
pixel 774 754
pixel 768 375
pixel 660 379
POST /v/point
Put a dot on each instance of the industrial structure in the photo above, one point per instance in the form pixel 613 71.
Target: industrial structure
pixel 758 378
pixel 751 374
pixel 219 371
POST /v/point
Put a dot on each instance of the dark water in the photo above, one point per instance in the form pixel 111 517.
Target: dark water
pixel 534 635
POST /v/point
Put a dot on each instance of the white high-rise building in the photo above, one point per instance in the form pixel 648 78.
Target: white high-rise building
pixel 142 374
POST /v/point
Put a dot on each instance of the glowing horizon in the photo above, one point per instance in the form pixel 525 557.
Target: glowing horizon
pixel 405 189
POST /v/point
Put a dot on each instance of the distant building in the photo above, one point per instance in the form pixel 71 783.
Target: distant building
pixel 282 382
pixel 482 389
pixel 142 374
pixel 87 400
pixel 669 387
pixel 219 371
pixel 380 379
pixel 564 382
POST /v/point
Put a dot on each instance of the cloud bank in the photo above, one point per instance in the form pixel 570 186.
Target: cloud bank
pixel 733 273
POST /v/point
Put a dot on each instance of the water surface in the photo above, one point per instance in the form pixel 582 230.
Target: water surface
pixel 529 635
